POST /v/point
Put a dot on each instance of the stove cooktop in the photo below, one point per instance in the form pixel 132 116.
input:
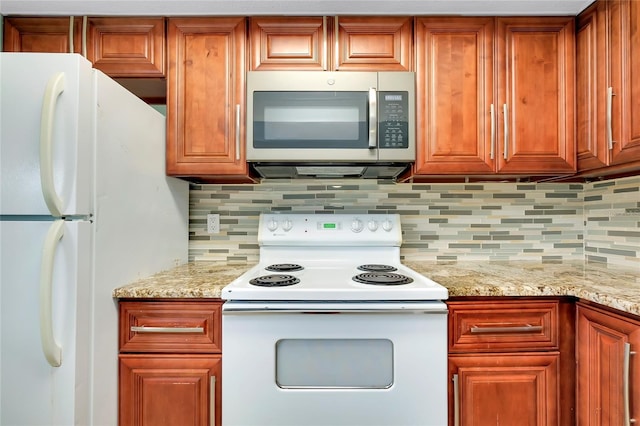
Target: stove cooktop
pixel 331 257
pixel 334 283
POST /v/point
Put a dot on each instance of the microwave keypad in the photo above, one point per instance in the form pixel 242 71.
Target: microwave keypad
pixel 393 123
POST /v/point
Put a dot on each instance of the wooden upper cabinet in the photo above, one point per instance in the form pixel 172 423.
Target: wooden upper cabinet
pixel 608 88
pixel 535 99
pixel 454 79
pixel 205 102
pixel 331 43
pixel 120 47
pixel 624 33
pixel 480 114
pixel 591 82
pixel 283 43
pixel 46 35
pixel 373 43
pixel 127 47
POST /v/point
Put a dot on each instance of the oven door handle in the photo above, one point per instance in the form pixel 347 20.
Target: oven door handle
pixel 328 312
pixel 334 308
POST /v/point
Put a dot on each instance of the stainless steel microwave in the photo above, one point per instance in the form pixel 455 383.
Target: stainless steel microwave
pixel 330 124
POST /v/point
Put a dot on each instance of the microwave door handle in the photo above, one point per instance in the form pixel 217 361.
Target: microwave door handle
pixel 373 118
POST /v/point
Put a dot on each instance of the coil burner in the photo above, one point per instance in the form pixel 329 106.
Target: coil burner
pixel 284 267
pixel 382 278
pixel 275 280
pixel 375 267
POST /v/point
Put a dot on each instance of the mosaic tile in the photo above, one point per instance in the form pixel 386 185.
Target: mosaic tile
pixel 598 221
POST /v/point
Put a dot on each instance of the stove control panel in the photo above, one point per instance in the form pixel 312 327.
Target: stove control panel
pixel 329 229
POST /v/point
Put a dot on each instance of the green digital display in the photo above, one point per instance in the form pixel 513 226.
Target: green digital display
pixel 329 226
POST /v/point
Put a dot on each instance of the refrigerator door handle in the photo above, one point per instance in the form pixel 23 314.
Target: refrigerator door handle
pixel 52 351
pixel 54 88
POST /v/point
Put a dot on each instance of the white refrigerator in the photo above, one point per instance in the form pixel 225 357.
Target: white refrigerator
pixel 85 207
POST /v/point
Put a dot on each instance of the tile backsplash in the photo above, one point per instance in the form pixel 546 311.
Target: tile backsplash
pixel 546 222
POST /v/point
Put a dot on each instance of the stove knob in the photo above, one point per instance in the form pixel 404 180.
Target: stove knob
pixel 357 225
pixel 387 225
pixel 272 225
pixel 287 225
pixel 372 225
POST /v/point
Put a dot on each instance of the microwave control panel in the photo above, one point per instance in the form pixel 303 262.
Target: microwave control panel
pixel 393 120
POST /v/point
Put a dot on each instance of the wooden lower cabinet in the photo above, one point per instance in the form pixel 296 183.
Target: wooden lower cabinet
pixel 608 367
pixel 510 389
pixel 169 390
pixel 170 363
pixel 511 361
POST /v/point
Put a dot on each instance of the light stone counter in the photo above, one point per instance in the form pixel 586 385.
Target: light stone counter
pixel 615 287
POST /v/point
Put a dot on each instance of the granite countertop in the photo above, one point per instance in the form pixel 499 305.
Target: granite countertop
pixel 611 286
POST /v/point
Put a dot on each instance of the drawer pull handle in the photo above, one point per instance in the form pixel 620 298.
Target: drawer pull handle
pixel 520 329
pixel 144 329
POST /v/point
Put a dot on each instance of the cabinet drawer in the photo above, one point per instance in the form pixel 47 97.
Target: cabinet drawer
pixel 173 327
pixel 489 326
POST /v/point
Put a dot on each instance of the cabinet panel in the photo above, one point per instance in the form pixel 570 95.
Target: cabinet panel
pixel 373 43
pixel 167 390
pixel 608 88
pixel 510 389
pixel 505 326
pixel 127 47
pixel 591 75
pixel 205 100
pixel 170 327
pixel 523 126
pixel 39 34
pixel 331 43
pixel 536 95
pixel 285 43
pixel 624 33
pixel 454 63
pixel 601 377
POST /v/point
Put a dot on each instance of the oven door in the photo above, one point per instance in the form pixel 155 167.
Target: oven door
pixel 334 364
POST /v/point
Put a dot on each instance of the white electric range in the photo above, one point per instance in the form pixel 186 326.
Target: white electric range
pixel 330 328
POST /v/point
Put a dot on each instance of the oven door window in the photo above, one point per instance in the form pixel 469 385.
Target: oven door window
pixel 334 363
pixel 318 120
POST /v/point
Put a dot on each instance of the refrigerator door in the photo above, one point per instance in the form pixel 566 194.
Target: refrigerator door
pixel 46 117
pixel 33 392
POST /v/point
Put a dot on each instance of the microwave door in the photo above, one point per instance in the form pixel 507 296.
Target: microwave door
pixel 322 125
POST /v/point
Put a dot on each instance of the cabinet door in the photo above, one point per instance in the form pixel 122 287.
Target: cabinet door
pixel 373 43
pixel 591 89
pixel 624 35
pixel 285 43
pixel 206 97
pixel 47 35
pixel 535 70
pixel 509 389
pixel 602 376
pixel 127 47
pixel 169 390
pixel 454 63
